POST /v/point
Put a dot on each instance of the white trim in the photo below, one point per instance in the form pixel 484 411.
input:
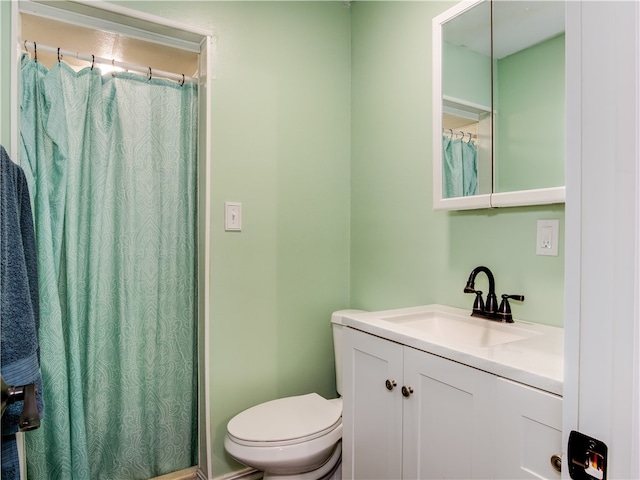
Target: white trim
pixel 112 18
pixel 454 11
pixel 206 82
pixel 573 227
pixel 540 196
pixel 635 418
pixel 521 198
pixel 436 100
pixel 460 203
pixel 244 474
pixel 144 17
pixel 22 459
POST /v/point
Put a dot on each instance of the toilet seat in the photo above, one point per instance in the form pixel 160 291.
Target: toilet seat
pixel 286 421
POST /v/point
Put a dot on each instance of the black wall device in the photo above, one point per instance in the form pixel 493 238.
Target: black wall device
pixel 587 457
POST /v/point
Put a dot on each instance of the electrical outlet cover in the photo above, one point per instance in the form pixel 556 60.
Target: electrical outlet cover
pixel 547 237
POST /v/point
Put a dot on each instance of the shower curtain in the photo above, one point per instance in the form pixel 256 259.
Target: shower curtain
pixel 460 170
pixel 111 164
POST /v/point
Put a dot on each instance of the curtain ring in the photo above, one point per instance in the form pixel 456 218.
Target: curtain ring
pixel 93 61
pixel 149 75
pixel 59 57
pixel 25 47
pixel 182 83
pixel 35 51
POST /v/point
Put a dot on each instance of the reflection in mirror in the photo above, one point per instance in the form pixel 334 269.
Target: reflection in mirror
pixel 466 107
pixel 529 94
pixel 499 104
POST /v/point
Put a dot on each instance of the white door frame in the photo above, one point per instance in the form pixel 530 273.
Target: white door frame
pixel 602 242
pixel 128 21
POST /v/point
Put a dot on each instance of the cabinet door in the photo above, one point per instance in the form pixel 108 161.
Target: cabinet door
pixel 528 431
pixel 372 414
pixel 447 421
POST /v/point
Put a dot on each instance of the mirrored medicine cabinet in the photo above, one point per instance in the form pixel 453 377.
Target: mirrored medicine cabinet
pixel 499 104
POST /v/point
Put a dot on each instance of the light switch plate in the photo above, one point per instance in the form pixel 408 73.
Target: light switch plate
pixel 547 237
pixel 232 216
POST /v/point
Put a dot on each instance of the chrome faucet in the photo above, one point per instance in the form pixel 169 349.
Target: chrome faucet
pixel 490 309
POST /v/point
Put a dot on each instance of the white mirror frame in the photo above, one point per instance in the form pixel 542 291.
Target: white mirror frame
pixel 540 196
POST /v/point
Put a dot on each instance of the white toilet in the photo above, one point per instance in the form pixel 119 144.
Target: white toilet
pixel 294 437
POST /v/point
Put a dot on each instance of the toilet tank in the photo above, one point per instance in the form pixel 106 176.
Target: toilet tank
pixel 337 326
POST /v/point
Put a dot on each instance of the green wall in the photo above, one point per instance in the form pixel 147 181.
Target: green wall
pixel 281 138
pixel 281 142
pixel 466 75
pixel 530 116
pixel 322 129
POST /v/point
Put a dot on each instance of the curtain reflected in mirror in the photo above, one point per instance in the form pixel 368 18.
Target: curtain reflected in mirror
pixel 459 158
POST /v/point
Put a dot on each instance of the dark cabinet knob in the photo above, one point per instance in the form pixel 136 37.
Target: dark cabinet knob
pixel 390 384
pixel 406 391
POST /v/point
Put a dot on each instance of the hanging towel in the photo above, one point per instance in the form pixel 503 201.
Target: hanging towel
pixel 10 462
pixel 19 301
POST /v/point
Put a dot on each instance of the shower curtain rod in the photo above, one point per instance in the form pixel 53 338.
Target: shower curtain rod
pixel 180 78
pixel 459 132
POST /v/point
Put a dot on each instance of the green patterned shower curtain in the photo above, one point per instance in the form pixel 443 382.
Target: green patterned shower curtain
pixel 111 164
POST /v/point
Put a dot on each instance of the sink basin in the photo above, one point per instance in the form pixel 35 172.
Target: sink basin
pixel 449 329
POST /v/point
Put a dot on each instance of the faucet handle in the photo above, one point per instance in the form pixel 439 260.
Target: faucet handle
pixel 504 311
pixel 478 303
pixel 520 298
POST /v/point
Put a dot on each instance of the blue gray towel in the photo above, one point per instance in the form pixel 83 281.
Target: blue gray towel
pixel 19 307
pixel 10 461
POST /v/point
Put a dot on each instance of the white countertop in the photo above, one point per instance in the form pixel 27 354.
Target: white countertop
pixel 536 361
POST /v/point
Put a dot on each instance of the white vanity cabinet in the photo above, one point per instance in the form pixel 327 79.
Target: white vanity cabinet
pixel 372 413
pixel 440 430
pixel 446 429
pixel 529 432
pixel 450 421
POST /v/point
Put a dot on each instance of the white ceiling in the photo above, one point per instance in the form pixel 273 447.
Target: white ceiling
pixel 517 24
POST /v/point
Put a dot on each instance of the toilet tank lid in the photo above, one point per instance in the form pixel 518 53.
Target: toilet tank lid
pixel 285 419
